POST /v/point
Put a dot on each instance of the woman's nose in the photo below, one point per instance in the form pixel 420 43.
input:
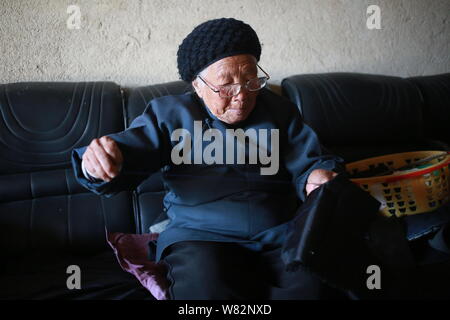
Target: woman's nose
pixel 243 93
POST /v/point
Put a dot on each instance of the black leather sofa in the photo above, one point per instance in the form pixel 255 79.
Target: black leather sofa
pixel 49 222
pixel 358 116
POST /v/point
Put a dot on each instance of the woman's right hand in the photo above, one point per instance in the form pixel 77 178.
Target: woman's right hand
pixel 103 159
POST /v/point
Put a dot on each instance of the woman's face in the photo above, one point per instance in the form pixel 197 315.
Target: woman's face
pixel 230 70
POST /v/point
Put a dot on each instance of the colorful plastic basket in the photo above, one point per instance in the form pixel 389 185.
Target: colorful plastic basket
pixel 418 190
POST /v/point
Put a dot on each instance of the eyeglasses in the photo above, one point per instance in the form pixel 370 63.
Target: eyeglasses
pixel 231 90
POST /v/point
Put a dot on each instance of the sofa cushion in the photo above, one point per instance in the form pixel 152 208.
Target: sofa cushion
pixel 45 276
pixel 136 254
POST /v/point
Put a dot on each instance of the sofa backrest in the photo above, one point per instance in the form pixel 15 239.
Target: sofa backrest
pixel 435 91
pixel 42 207
pixel 361 115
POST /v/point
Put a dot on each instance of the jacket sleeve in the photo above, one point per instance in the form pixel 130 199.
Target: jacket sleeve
pixel 304 152
pixel 144 149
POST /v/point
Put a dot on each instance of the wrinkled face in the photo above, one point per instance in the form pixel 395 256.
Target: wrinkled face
pixel 230 70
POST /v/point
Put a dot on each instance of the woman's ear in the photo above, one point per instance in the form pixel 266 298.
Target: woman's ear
pixel 197 88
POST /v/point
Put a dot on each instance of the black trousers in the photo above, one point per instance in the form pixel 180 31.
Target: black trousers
pixel 201 270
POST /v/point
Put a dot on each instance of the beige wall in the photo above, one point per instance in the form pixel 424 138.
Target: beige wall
pixel 134 42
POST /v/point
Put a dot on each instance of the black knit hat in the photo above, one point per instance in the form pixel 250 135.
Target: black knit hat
pixel 214 40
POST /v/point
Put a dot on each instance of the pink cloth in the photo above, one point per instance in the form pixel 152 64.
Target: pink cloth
pixel 131 251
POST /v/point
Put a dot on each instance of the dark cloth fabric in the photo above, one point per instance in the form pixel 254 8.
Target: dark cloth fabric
pixel 135 255
pixel 228 202
pixel 441 241
pixel 327 236
pixel 419 225
pixel 214 40
pixel 337 234
pixel 202 270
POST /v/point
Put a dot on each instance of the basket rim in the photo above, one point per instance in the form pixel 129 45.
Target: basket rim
pixel 396 154
pixel 397 177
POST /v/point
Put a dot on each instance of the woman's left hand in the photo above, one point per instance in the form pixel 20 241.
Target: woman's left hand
pixel 318 177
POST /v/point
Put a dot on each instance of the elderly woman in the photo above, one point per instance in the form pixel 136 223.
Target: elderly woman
pixel 236 159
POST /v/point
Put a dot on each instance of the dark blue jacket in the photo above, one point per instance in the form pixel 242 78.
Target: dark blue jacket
pixel 218 202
